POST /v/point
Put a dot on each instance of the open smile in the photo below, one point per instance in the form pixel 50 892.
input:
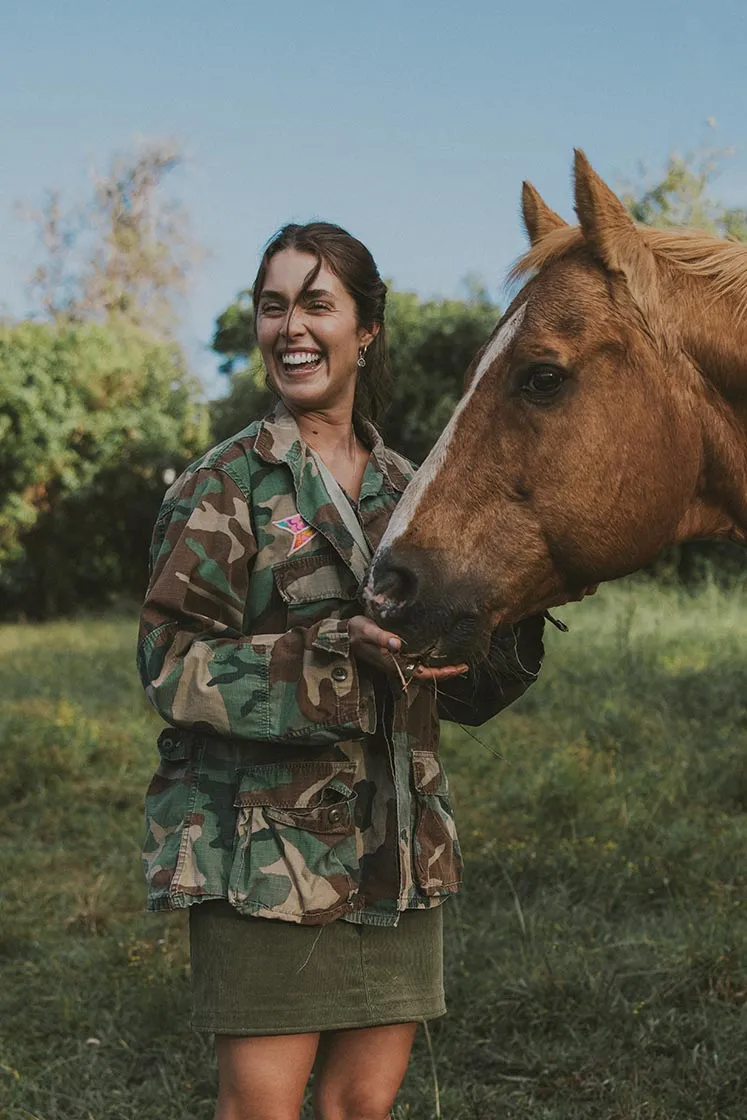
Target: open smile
pixel 300 361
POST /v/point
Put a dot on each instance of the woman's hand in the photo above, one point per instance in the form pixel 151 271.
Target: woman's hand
pixel 383 650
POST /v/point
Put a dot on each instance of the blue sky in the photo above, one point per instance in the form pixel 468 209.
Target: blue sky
pixel 411 123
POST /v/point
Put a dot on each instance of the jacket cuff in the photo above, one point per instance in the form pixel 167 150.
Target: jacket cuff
pixel 332 637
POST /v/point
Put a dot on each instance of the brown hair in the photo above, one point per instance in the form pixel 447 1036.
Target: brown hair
pixel 353 265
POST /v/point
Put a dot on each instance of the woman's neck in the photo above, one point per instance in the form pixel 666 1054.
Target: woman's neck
pixel 332 435
pixel 330 432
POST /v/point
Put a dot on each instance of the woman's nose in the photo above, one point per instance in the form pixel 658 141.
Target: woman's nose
pixel 295 325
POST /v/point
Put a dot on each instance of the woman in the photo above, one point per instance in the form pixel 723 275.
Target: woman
pixel 299 797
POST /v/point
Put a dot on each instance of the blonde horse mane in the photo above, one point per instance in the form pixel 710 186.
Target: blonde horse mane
pixel 723 263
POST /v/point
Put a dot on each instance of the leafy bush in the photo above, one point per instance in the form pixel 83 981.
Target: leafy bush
pixel 91 418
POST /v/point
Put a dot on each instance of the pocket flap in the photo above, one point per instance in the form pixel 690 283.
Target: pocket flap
pixel 297 785
pixel 312 578
pixel 427 773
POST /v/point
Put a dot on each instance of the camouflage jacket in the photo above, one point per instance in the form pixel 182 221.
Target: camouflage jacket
pixel 294 781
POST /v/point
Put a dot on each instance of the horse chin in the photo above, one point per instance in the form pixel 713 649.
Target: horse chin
pixel 432 644
pixel 549 588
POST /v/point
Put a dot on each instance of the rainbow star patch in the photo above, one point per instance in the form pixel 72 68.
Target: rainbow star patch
pixel 301 532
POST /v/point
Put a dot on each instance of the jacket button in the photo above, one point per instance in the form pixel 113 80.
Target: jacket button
pixel 339 673
pixel 334 816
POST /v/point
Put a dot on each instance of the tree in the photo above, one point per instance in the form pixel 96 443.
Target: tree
pixel 93 420
pixel 97 407
pixel 682 197
pixel 234 336
pixel 125 253
pixel 431 345
pixel 248 399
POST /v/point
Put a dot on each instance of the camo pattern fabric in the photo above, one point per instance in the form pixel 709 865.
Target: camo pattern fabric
pixel 292 781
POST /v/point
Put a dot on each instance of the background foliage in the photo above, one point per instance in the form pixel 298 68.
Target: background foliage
pixel 683 197
pixel 91 418
pixel 124 252
pixel 97 405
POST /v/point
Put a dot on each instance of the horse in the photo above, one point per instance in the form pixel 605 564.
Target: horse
pixel 605 418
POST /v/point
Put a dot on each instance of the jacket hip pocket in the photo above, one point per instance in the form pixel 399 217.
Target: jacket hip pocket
pixel 295 854
pixel 169 801
pixel 438 865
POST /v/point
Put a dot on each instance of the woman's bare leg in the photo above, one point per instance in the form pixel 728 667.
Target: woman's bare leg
pixel 359 1072
pixel 263 1077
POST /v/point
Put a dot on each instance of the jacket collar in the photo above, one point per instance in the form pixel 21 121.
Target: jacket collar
pixel 279 441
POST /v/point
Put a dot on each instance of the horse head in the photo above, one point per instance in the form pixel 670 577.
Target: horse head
pixel 604 419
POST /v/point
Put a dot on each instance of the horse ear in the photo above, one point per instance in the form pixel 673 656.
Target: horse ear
pixel 610 232
pixel 539 219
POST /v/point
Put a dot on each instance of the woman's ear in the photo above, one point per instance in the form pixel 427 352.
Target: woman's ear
pixel 368 334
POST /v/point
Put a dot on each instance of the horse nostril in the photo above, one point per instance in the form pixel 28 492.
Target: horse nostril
pixel 397 584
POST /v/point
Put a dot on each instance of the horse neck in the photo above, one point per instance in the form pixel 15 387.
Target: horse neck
pixel 712 334
pixel 712 331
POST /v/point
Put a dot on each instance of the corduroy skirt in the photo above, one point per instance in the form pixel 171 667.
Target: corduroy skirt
pixel 259 976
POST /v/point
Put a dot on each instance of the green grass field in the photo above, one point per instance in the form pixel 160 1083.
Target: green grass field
pixel 596 962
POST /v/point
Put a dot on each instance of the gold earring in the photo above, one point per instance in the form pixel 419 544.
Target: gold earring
pixel 362 357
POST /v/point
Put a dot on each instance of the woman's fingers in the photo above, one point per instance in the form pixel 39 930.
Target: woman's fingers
pixel 375 646
pixel 376 656
pixel 362 629
pixel 442 673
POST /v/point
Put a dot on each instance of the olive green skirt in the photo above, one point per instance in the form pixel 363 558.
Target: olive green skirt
pixel 263 976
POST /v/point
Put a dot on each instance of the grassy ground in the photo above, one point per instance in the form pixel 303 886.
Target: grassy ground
pixel 597 961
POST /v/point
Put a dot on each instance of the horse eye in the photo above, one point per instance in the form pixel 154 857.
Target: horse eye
pixel 543 382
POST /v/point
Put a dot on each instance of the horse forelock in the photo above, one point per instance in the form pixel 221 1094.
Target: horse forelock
pixel 723 264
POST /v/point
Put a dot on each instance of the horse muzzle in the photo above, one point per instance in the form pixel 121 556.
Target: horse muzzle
pixel 439 618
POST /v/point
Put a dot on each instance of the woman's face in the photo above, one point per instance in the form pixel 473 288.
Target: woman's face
pixel 309 342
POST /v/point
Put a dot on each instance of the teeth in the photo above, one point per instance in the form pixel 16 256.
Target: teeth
pixel 300 358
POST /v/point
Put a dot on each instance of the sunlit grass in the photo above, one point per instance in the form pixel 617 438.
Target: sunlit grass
pixel 597 960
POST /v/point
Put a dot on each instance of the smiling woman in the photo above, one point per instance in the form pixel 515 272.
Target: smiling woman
pixel 301 274
pixel 300 784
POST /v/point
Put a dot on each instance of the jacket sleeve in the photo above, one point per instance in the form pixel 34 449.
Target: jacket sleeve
pixel 512 664
pixel 201 669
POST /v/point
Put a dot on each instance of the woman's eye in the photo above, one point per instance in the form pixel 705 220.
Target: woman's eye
pixel 543 382
pixel 320 305
pixel 271 309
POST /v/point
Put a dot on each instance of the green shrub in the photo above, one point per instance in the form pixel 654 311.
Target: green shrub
pixel 90 419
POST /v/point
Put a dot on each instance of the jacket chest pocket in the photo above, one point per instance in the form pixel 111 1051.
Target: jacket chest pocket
pixel 438 865
pixel 314 587
pixel 295 852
